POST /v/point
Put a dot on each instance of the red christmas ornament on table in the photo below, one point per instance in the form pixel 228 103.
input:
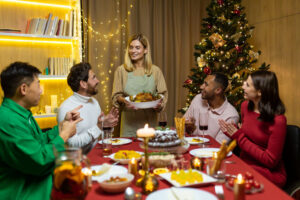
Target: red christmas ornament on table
pixel 188 81
pixel 207 70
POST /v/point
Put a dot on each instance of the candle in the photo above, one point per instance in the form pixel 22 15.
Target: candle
pixel 196 163
pixel 133 167
pixel 145 132
pixel 215 155
pixel 239 188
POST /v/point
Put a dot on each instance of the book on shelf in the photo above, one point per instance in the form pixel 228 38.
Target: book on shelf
pixel 27 26
pixel 65 28
pixel 48 23
pixel 9 30
pixel 71 22
pixel 41 26
pixel 33 26
pixel 54 26
pixel 59 65
pixel 60 27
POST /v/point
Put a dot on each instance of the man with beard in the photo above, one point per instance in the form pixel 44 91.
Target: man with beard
pixel 84 82
pixel 211 100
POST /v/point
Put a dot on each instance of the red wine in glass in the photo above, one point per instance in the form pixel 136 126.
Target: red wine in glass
pixel 162 119
pixel 162 124
pixel 203 128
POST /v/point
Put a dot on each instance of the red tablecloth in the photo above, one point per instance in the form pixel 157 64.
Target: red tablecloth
pixel 270 191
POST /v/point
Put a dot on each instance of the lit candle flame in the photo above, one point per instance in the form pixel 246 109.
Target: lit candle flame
pixel 240 178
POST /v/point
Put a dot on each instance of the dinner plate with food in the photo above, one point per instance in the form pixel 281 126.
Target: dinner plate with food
pixel 124 156
pixel 186 178
pixel 206 152
pixel 99 170
pixel 118 141
pixel 175 193
pixel 144 100
pixel 196 140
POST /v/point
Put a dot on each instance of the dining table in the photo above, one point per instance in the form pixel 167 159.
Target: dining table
pixel 234 166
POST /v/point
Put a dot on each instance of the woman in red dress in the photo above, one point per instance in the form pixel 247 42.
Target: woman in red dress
pixel 261 136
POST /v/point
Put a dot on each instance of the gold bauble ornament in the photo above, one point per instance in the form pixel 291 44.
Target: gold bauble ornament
pixel 217 40
pixel 236 7
pixel 201 62
pixel 222 18
pixel 221 52
pixel 236 75
pixel 227 55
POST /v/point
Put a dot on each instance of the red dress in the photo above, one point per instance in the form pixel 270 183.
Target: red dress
pixel 262 143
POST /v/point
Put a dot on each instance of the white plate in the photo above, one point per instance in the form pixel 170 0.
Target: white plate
pixel 125 161
pixel 206 152
pixel 144 105
pixel 188 193
pixel 118 141
pixel 206 179
pixel 114 169
pixel 190 140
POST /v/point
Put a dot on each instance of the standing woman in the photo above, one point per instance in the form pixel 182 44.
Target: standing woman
pixel 137 75
pixel 262 134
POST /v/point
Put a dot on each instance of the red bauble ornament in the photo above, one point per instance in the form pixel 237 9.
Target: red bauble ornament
pixel 188 81
pixel 238 48
pixel 207 70
pixel 209 26
pixel 237 12
pixel 220 2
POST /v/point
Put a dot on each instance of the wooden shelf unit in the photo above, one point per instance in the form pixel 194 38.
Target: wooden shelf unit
pixel 37 49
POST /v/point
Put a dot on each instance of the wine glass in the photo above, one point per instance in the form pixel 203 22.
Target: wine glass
pixel 162 119
pixel 203 123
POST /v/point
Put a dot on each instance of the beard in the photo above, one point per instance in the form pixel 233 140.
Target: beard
pixel 92 90
pixel 207 96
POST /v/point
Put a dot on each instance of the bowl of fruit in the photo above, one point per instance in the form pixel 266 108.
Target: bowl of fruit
pixel 251 184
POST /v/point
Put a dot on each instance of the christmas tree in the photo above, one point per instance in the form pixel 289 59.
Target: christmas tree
pixel 224 48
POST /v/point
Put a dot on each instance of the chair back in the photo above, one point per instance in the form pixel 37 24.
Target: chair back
pixel 291 153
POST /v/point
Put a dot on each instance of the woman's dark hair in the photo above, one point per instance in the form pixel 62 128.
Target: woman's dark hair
pixel 15 75
pixel 79 72
pixel 270 103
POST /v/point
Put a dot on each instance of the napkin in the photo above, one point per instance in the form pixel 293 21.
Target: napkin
pixel 221 155
pixel 180 125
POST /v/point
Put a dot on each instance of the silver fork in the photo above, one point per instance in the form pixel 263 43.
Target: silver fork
pixel 219 191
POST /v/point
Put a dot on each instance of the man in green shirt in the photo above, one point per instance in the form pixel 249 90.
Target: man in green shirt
pixel 26 153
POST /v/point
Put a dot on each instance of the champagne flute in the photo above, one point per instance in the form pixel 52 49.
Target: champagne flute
pixel 203 123
pixel 162 119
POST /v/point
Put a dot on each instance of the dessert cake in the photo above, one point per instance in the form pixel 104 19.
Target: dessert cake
pixel 165 138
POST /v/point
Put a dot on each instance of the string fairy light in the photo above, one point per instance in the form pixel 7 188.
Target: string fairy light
pixel 103 38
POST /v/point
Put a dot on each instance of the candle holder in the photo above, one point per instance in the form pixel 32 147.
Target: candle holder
pixel 148 182
pixel 133 167
pixel 197 163
pixel 239 188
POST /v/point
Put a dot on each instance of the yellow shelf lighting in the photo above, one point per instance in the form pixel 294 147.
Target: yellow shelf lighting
pixel 40 3
pixel 30 40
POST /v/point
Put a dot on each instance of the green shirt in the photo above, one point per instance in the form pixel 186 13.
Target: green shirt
pixel 26 154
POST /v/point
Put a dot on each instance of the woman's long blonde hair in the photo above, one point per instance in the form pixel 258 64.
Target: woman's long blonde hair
pixel 147 58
